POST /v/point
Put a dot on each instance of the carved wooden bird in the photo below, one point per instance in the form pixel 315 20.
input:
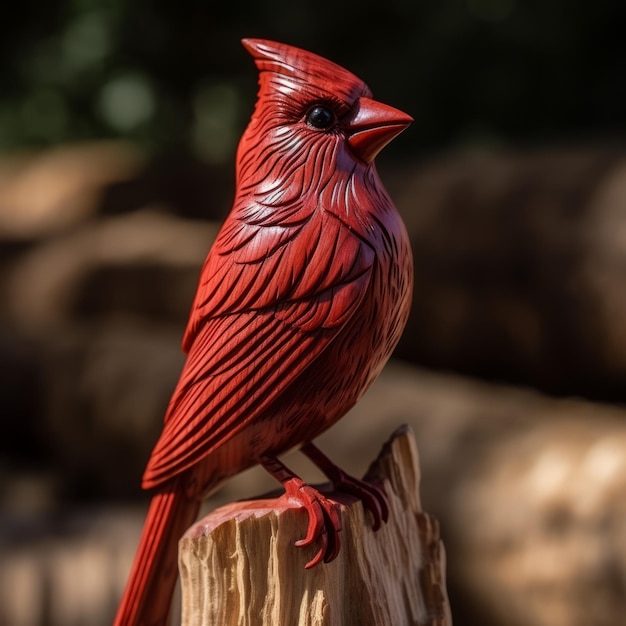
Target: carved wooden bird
pixel 301 300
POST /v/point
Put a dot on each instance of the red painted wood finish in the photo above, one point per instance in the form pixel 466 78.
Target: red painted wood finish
pixel 301 300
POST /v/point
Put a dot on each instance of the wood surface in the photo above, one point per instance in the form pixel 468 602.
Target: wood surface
pixel 238 565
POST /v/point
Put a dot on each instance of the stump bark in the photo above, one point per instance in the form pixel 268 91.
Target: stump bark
pixel 239 565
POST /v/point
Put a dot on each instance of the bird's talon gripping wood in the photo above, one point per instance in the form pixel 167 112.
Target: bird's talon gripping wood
pixel 324 518
pixel 373 497
pixel 300 302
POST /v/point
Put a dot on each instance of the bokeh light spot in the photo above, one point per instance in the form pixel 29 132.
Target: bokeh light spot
pixel 215 130
pixel 127 101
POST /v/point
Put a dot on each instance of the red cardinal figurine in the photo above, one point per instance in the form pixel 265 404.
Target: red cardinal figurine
pixel 301 300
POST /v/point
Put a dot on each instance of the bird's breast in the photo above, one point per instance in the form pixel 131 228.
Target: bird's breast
pixel 336 380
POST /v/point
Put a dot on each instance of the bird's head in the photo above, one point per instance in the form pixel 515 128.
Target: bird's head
pixel 312 114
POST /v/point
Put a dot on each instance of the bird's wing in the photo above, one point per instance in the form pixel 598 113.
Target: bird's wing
pixel 270 300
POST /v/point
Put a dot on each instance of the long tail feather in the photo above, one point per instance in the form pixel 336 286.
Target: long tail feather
pixel 148 594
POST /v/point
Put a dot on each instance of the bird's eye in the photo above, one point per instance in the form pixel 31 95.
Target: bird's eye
pixel 320 117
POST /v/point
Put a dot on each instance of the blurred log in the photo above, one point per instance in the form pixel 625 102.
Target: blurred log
pixel 239 566
pixel 47 192
pixel 144 264
pixel 520 256
pixel 530 492
pixel 520 261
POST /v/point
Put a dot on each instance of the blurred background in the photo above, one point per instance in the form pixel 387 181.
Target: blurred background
pixel 119 122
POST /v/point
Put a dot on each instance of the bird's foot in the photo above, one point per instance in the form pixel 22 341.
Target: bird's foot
pixel 373 497
pixel 324 514
pixel 324 520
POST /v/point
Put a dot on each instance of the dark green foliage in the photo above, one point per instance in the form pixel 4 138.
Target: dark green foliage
pixel 161 72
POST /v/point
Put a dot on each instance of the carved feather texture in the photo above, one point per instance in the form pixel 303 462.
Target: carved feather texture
pixel 303 295
pixel 289 268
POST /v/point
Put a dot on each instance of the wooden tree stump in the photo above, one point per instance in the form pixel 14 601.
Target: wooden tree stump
pixel 239 565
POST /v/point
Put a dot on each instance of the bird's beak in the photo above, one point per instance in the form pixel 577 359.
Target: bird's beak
pixel 373 126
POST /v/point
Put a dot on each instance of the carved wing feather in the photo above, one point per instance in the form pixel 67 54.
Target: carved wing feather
pixel 270 301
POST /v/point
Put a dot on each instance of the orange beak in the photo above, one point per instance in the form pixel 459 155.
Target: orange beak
pixel 373 126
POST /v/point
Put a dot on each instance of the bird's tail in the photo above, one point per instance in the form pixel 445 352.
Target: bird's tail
pixel 148 594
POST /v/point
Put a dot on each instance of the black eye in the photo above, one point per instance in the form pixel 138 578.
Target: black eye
pixel 320 117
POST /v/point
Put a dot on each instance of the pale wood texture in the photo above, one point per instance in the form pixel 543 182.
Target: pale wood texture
pixel 239 565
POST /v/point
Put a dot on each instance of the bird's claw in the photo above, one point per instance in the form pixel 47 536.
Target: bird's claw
pixel 372 496
pixel 324 520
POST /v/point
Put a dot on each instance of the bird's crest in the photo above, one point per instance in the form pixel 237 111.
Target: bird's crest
pixel 302 68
